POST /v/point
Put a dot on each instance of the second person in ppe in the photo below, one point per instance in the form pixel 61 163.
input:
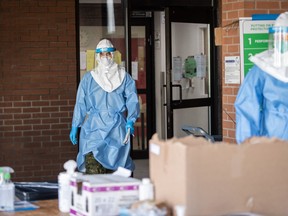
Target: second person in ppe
pixel 261 104
pixel 106 109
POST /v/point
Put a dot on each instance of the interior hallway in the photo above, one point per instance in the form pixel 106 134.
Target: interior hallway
pixel 141 169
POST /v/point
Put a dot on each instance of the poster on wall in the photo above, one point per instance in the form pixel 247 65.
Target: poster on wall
pixel 232 69
pixel 253 39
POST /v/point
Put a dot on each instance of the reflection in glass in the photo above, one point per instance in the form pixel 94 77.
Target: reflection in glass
pixel 98 20
pixel 138 55
pixel 190 62
pixel 190 43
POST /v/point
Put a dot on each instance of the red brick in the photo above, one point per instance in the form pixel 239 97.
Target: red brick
pixel 23 128
pixel 22 104
pixel 12 110
pixel 40 115
pixel 50 109
pixel 23 139
pixel 13 122
pixel 31 110
pixel 6 128
pixel 249 5
pixel 284 5
pixel 40 103
pixel 12 134
pixel 41 127
pixel 267 4
pixel 32 133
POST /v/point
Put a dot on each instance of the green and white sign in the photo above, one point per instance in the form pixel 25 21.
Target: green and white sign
pixel 253 40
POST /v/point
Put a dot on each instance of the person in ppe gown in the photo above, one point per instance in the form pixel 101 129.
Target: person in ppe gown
pixel 261 104
pixel 106 109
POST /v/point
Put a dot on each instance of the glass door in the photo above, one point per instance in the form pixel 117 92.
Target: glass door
pixel 141 46
pixel 188 72
pixel 131 37
pixel 101 19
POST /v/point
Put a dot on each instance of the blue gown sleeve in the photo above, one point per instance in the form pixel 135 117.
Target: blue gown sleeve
pixel 248 105
pixel 80 111
pixel 132 102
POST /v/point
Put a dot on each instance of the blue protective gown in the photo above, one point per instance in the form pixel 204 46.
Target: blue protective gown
pixel 102 117
pixel 261 106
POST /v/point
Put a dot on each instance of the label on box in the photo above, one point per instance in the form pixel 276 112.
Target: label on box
pixel 154 148
pixel 103 195
pixel 108 200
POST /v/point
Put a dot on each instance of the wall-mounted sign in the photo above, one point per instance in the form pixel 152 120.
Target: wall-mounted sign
pixel 232 69
pixel 253 40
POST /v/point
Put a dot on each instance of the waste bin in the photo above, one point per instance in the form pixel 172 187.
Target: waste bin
pixel 31 191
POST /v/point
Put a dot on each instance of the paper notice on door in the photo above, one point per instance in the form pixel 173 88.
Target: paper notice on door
pixel 83 60
pixel 90 59
pixel 135 70
pixel 232 70
pixel 177 68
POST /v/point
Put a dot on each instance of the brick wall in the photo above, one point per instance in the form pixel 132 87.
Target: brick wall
pixel 231 11
pixel 37 86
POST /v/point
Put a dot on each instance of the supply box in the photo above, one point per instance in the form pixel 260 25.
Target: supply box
pixel 221 178
pixel 103 194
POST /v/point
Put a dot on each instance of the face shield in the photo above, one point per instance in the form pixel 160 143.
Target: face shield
pixel 274 61
pixel 278 45
pixel 104 53
pixel 105 46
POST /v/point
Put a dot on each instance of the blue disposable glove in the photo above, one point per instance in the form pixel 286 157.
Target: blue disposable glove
pixel 73 135
pixel 130 124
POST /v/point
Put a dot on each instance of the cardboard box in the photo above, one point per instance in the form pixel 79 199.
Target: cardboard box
pixel 102 195
pixel 221 178
pixel 218 36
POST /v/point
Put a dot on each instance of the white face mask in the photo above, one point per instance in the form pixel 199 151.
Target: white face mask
pixel 106 61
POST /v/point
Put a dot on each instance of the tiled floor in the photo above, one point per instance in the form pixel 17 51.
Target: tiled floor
pixel 141 169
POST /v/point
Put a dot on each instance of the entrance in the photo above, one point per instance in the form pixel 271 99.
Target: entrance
pixel 133 41
pixel 189 71
pixel 142 61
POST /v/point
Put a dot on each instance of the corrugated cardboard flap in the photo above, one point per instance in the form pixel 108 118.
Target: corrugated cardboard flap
pixel 222 178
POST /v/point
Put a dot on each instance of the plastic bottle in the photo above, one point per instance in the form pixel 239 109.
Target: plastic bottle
pixel 64 189
pixel 146 190
pixel 180 210
pixel 7 189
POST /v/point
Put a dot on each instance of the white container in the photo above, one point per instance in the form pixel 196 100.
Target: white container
pixel 146 190
pixel 64 189
pixel 64 192
pixel 103 194
pixel 7 193
pixel 7 189
pixel 180 210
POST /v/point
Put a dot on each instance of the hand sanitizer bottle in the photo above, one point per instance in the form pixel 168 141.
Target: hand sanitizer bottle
pixel 64 189
pixel 7 189
pixel 146 190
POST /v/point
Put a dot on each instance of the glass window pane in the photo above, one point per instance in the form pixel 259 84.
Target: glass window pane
pixel 97 20
pixel 191 59
pixel 139 55
pixel 140 138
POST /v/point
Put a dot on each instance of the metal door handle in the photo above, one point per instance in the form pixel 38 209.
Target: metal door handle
pixel 180 92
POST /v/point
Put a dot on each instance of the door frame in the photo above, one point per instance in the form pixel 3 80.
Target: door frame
pixel 192 15
pixel 140 18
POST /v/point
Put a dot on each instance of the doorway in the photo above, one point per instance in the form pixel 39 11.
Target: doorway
pixel 133 41
pixel 190 69
pixel 142 61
